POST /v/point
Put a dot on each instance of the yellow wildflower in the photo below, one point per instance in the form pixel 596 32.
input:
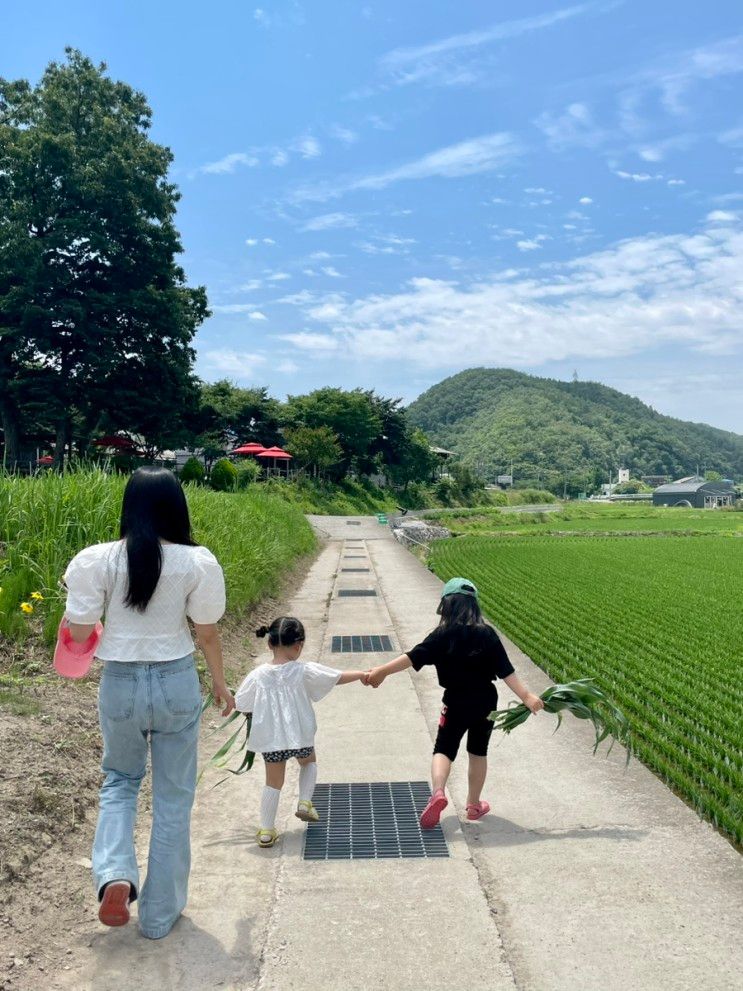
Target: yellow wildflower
pixel 27 608
pixel 37 596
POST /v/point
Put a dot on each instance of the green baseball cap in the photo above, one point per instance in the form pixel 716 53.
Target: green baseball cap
pixel 459 586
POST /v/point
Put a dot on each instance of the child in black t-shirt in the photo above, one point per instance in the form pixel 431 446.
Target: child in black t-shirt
pixel 468 656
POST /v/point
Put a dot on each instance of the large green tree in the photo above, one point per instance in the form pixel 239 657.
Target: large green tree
pixel 350 415
pixel 92 300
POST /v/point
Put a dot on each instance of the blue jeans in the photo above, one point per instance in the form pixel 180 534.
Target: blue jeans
pixel 155 705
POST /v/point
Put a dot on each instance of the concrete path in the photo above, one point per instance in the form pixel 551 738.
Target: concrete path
pixel 587 877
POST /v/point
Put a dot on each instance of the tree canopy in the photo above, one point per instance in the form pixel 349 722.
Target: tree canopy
pixel 96 319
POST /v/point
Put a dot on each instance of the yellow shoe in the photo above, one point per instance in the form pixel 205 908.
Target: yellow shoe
pixel 306 811
pixel 266 837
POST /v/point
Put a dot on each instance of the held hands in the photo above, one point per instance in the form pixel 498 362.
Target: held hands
pixel 223 696
pixel 374 678
pixel 533 702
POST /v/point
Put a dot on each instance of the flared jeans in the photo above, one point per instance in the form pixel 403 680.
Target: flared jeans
pixel 151 707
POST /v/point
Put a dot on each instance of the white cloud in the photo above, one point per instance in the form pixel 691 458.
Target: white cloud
pixel 733 137
pixel 679 289
pixel 251 241
pixel 343 134
pixel 721 217
pixel 320 255
pixel 442 62
pixel 287 366
pixel 538 190
pixel 279 158
pixel 257 315
pixel 250 286
pixel 268 240
pixel 676 182
pixel 585 200
pixel 241 364
pixel 332 272
pixel 260 15
pixel 229 163
pixel 528 245
pixel 326 221
pixel 637 176
pixel 574 126
pixel 312 342
pixel 234 308
pixel 477 155
pixel 277 276
pixel 309 147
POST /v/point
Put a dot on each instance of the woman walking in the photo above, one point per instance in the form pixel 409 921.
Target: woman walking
pixel 148 583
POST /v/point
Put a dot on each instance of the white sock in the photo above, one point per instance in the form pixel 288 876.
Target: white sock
pixel 307 781
pixel 269 807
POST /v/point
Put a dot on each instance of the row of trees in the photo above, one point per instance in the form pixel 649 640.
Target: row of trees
pixel 330 432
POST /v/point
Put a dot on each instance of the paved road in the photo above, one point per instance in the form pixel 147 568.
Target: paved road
pixel 585 877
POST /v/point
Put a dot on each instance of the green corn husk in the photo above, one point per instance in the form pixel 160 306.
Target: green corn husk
pixel 231 746
pixel 585 700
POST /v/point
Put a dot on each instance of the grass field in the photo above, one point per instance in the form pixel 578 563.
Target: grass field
pixel 46 520
pixel 596 518
pixel 657 623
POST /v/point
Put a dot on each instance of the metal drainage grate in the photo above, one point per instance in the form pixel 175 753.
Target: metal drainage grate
pixel 362 644
pixel 355 569
pixel 347 593
pixel 353 522
pixel 354 557
pixel 372 822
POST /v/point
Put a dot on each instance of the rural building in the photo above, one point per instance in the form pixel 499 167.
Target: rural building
pixel 696 493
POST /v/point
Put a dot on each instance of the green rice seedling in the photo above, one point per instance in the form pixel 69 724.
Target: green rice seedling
pixel 585 700
pixel 236 743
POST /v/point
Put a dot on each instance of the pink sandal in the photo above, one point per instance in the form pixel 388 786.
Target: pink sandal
pixel 432 813
pixel 475 812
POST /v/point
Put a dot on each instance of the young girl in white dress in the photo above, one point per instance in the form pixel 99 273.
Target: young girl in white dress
pixel 280 694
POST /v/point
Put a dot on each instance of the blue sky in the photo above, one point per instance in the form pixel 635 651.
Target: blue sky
pixel 383 193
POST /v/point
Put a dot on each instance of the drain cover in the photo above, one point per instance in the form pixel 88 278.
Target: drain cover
pixel 346 593
pixel 353 522
pixel 354 557
pixel 355 569
pixel 361 644
pixel 372 821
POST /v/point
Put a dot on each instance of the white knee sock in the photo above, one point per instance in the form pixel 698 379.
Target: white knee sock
pixel 307 781
pixel 269 807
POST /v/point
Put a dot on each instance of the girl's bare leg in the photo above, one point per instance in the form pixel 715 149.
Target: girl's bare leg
pixel 275 774
pixel 476 774
pixel 440 770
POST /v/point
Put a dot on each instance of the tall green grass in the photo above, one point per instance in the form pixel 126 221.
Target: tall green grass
pixel 45 520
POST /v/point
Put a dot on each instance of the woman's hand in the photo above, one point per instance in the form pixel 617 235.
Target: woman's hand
pixel 223 696
pixel 533 702
pixel 375 677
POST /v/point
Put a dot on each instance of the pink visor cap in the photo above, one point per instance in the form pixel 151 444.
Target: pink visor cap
pixel 71 659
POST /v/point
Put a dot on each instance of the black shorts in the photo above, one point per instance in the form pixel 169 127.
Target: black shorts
pixel 455 721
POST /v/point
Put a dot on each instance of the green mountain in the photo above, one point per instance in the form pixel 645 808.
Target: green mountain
pixel 555 431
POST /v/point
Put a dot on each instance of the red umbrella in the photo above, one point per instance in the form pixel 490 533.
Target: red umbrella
pixel 46 459
pixel 251 448
pixel 275 452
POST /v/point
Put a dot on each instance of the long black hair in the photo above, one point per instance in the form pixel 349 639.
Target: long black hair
pixel 154 509
pixel 460 610
pixel 283 632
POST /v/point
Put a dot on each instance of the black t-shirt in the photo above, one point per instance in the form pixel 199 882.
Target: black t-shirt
pixel 467 659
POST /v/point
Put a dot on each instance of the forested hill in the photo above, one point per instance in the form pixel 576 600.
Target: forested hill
pixel 491 416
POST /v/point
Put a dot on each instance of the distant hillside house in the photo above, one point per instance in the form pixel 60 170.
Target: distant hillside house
pixel 695 492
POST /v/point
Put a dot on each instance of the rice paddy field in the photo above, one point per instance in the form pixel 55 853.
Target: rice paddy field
pixel 657 622
pixel 45 520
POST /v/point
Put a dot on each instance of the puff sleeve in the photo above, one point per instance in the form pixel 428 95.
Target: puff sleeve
pixel 206 600
pixel 319 680
pixel 85 579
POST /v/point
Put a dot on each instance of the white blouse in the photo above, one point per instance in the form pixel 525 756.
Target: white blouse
pixel 280 696
pixel 191 584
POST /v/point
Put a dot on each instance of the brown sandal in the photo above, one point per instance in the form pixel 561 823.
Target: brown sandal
pixel 114 910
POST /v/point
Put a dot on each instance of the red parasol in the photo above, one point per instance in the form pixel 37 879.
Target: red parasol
pixel 46 459
pixel 275 452
pixel 251 448
pixel 114 441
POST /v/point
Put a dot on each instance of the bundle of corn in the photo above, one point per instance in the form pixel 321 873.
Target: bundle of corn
pixel 233 745
pixel 585 700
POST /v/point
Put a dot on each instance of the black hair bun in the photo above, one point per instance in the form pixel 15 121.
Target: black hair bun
pixel 261 631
